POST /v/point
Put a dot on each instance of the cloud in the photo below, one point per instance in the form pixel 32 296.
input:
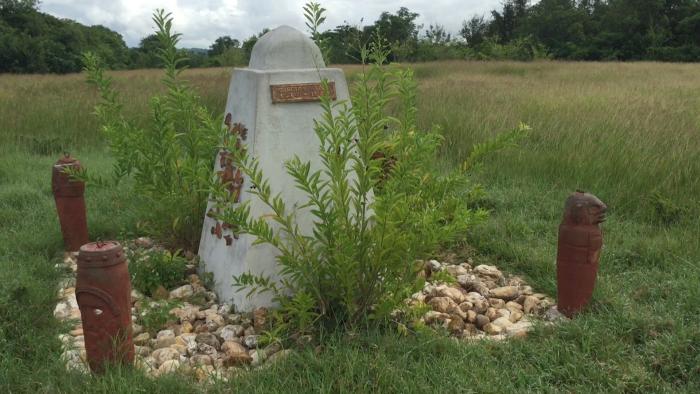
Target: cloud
pixel 202 21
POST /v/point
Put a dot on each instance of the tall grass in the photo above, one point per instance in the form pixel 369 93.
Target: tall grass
pixel 621 130
pixel 630 133
pixel 627 130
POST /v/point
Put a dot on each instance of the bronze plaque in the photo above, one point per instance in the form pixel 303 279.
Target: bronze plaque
pixel 300 92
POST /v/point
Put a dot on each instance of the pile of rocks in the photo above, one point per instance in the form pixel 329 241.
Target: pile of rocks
pixel 209 341
pixel 206 340
pixel 480 302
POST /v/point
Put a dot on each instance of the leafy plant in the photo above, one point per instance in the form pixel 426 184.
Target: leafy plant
pixel 521 48
pixel 170 160
pixel 156 315
pixel 314 15
pixel 156 268
pixel 443 277
pixel 356 262
pixel 298 317
pixel 665 211
pixel 501 141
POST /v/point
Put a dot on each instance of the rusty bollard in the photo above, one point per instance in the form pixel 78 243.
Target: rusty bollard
pixel 70 204
pixel 580 242
pixel 103 291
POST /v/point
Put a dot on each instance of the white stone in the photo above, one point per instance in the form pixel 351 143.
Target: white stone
pixel 450 292
pixel 251 341
pixel 258 357
pixel 434 265
pixel 488 271
pixel 214 321
pixel 519 329
pixel 62 311
pixel 530 304
pixel 553 315
pixel 168 367
pixel 419 296
pixel 492 329
pixel 456 270
pixel 162 355
pixel 186 313
pixel 230 332
pixel 435 317
pixel 275 132
pixel 182 292
pixel 165 338
pixel 502 322
pixel 142 339
pixel 474 297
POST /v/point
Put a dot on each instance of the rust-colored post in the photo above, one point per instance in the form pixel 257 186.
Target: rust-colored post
pixel 70 204
pixel 580 242
pixel 103 291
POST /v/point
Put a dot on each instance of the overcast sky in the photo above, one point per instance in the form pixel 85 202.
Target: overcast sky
pixel 202 21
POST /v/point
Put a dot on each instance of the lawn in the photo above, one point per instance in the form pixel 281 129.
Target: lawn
pixel 627 132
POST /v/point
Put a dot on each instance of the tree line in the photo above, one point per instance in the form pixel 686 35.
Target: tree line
pixel 623 30
pixel 35 42
pixel 665 30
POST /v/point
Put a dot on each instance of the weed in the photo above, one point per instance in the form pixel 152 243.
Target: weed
pixel 156 268
pixel 156 314
pixel 171 159
pixel 666 211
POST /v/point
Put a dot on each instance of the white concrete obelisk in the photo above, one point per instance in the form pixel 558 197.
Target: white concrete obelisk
pixel 271 107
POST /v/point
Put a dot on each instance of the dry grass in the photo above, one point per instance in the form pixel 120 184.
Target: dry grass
pixel 627 132
pixel 623 130
pixel 627 129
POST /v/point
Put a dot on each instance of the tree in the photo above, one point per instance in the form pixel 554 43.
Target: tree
pixel 34 42
pixel 561 27
pixel 222 44
pixel 399 31
pixel 18 6
pixel 630 27
pixel 344 44
pixel 146 55
pixel 108 45
pixel 520 8
pixel 436 35
pixel 503 23
pixel 474 31
pixel 251 41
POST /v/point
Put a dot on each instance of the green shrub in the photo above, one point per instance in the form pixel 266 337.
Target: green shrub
pixel 156 268
pixel 357 264
pixel 378 201
pixel 171 159
pixel 665 210
pixel 522 49
pixel 156 315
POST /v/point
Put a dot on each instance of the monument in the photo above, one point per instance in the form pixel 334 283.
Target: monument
pixel 270 109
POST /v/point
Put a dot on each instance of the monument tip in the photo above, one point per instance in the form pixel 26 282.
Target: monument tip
pixel 285 48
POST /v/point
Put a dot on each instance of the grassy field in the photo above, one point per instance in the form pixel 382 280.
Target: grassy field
pixel 630 133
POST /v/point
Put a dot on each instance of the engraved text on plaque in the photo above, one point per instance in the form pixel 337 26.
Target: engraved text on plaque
pixel 300 92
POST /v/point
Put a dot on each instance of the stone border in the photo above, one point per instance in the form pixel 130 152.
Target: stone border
pixel 205 340
pixel 210 341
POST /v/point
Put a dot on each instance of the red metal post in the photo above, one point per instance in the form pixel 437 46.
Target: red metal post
pixel 70 204
pixel 103 291
pixel 578 254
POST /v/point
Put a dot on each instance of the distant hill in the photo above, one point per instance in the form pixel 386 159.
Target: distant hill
pixel 35 42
